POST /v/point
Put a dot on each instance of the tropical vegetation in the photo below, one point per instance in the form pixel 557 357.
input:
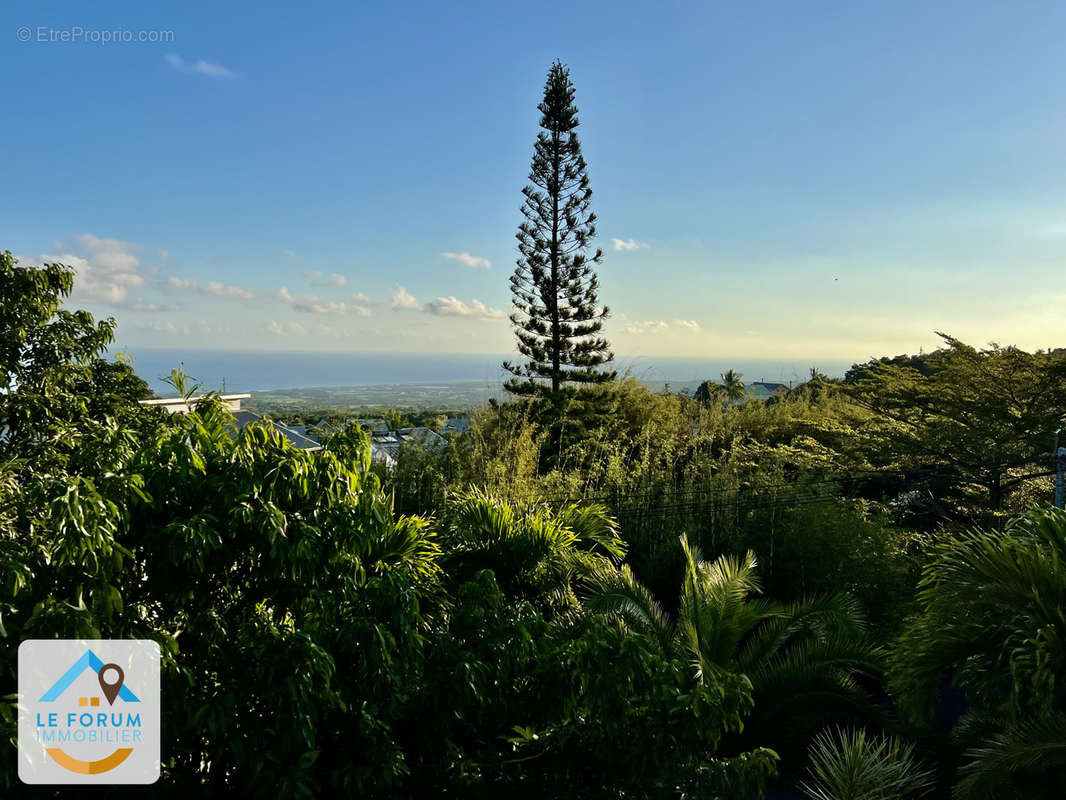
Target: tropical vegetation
pixel 871 620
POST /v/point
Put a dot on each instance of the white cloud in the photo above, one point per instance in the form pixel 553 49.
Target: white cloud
pixel 209 68
pixel 403 299
pixel 144 305
pixel 644 327
pixel 286 329
pixel 319 278
pixel 650 326
pixel 309 304
pixel 454 307
pixel 104 268
pixel 212 288
pixel 112 255
pixel 360 304
pixel 627 244
pixel 161 326
pixel 216 289
pixel 201 327
pixel 337 332
pixel 467 260
pixel 444 306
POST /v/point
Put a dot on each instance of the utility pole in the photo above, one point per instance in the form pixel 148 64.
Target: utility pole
pixel 1060 467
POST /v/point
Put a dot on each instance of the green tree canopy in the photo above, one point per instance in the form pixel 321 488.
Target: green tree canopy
pixel 708 392
pixel 989 416
pixel 56 384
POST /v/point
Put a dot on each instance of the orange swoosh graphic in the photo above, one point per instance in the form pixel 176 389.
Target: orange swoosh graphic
pixel 88 767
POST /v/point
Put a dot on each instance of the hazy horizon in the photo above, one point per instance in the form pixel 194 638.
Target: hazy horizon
pixel 260 370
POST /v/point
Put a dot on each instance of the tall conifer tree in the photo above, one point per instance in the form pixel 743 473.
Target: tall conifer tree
pixel 557 316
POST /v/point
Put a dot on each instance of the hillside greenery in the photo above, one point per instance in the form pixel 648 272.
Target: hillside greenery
pixel 854 589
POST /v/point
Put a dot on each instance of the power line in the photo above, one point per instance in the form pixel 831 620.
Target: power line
pixel 712 491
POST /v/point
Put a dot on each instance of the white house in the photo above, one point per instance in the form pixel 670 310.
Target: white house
pixel 241 417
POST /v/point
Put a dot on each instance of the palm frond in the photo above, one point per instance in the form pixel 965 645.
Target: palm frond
pixel 729 577
pixel 816 674
pixel 1033 744
pixel 992 608
pixel 532 551
pixel 820 617
pixel 594 524
pixel 616 593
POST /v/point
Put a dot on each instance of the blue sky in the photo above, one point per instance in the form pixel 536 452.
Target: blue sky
pixel 822 180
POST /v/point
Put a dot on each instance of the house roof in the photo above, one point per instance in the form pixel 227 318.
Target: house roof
pixel 244 418
pixel 382 455
pixel 427 437
pixel 457 425
pixel 762 389
pixel 374 425
pixel 181 405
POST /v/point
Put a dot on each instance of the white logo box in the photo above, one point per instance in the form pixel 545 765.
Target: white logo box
pixel 70 730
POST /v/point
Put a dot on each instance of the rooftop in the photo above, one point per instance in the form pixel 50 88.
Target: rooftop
pixel 183 405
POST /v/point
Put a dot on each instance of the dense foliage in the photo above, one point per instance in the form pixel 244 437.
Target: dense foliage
pixel 321 645
pixel 803 659
pixel 992 614
pixel 482 621
pixel 987 418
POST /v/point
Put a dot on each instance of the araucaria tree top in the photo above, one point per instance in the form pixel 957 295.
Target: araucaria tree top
pixel 557 316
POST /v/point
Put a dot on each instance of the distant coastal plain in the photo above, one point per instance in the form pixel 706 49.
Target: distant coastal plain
pixel 458 396
pixel 295 380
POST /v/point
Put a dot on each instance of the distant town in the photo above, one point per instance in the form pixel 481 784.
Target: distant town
pixel 385 440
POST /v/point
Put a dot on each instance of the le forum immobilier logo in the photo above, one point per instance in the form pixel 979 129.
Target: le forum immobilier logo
pixel 89 711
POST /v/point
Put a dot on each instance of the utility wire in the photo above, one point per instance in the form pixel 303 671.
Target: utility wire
pixel 712 491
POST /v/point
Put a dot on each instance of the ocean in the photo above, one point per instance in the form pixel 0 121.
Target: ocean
pixel 259 370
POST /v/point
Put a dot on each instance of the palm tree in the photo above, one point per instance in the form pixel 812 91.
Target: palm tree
pixel 734 387
pixel 992 610
pixel 536 553
pixel 801 659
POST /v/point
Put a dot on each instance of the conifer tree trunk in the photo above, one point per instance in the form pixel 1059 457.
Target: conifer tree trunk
pixel 555 266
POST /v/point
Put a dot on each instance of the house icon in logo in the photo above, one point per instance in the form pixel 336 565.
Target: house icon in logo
pixel 88 661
